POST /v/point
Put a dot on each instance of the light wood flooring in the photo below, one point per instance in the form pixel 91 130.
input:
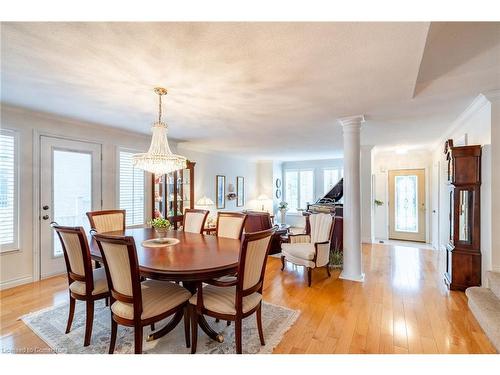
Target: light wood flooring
pixel 402 307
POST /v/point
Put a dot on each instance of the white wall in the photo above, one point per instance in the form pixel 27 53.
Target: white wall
pixel 20 266
pixel 383 162
pixel 474 125
pixel 208 165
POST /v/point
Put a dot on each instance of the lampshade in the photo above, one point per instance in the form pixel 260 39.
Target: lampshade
pixel 159 159
pixel 205 201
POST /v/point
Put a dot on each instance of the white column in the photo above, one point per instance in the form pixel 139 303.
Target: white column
pixel 353 270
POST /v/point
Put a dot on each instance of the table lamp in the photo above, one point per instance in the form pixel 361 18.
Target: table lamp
pixel 263 198
pixel 205 202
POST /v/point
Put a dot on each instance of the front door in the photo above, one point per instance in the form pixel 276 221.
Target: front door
pixel 407 204
pixel 70 186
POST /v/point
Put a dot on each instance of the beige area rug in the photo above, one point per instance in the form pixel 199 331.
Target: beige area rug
pixel 50 324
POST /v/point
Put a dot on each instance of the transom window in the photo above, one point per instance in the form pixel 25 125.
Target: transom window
pixel 299 188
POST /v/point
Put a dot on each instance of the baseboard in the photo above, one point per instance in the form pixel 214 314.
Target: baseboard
pixel 366 240
pixel 15 282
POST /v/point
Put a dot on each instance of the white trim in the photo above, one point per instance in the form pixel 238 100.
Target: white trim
pixel 15 282
pixel 16 244
pixel 359 278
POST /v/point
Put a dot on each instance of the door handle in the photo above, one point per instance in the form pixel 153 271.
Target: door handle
pixel 45 217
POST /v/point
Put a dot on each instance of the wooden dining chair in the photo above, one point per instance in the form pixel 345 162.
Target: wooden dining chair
pixel 85 284
pixel 230 224
pixel 107 220
pixel 194 220
pixel 237 299
pixel 136 304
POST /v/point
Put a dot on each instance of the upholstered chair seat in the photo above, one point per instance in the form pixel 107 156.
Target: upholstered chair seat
pixel 157 297
pixel 310 250
pixel 100 283
pixel 222 300
pixel 238 297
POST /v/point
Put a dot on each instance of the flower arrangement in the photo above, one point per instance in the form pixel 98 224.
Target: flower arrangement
pixel 283 205
pixel 160 224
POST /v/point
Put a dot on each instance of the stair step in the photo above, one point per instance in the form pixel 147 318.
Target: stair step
pixel 494 279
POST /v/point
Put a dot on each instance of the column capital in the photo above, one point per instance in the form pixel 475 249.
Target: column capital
pixel 356 120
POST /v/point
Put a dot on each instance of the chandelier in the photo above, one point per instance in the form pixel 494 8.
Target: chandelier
pixel 159 159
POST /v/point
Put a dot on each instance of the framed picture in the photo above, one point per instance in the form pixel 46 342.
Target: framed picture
pixel 240 191
pixel 220 189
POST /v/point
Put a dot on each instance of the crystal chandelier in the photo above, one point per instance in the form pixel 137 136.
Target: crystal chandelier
pixel 159 159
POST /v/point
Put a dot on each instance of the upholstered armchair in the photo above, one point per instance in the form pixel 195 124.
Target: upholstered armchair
pixel 310 250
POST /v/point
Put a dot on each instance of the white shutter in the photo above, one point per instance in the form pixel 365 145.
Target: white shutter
pixel 8 191
pixel 131 190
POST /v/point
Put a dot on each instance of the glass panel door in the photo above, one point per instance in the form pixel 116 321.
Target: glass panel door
pixel 70 186
pixel 407 204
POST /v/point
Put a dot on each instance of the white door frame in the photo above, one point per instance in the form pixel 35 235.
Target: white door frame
pixel 37 134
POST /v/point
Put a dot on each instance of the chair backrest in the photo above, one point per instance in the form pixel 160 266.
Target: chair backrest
pixel 119 256
pixel 194 220
pixel 321 227
pixel 257 221
pixel 76 254
pixel 107 221
pixel 230 224
pixel 252 263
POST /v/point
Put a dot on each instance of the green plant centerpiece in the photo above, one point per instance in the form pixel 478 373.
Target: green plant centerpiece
pixel 160 225
pixel 336 257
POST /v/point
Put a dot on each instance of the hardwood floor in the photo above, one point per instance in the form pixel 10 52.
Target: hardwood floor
pixel 402 307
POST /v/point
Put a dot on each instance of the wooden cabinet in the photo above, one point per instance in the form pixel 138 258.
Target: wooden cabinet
pixel 463 258
pixel 173 193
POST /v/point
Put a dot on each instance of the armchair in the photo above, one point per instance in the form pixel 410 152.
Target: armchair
pixel 310 250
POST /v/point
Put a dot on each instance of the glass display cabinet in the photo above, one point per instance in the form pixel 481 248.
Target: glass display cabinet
pixel 173 193
pixel 463 252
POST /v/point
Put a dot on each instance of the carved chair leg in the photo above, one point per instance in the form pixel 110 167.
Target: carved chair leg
pixel 237 334
pixel 228 323
pixel 71 313
pixel 259 325
pixel 309 276
pixel 328 269
pixel 106 301
pixel 194 329
pixel 138 339
pixel 282 262
pixel 186 326
pixel 152 326
pixel 88 323
pixel 112 342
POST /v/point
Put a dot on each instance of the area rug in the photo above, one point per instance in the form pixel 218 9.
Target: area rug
pixel 49 324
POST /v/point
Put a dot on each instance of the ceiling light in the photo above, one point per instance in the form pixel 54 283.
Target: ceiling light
pixel 159 159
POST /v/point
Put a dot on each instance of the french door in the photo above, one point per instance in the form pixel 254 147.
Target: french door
pixel 70 186
pixel 407 205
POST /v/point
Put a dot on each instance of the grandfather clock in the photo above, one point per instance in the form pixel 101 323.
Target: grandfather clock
pixel 463 253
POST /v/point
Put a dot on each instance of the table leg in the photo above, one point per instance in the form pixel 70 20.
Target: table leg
pixel 170 326
pixel 202 322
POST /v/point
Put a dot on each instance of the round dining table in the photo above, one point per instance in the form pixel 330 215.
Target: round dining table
pixel 194 258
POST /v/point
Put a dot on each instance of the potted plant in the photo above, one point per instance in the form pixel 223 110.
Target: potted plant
pixel 160 225
pixel 336 257
pixel 283 207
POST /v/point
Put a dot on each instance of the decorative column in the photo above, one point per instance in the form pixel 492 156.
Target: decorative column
pixel 353 270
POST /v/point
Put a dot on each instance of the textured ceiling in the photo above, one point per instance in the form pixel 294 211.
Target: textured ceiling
pixel 262 90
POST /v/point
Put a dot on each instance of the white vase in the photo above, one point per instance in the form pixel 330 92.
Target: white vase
pixel 283 215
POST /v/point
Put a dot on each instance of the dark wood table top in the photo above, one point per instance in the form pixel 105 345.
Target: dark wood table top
pixel 196 257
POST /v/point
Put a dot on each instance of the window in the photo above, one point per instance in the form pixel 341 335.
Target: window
pixel 299 188
pixel 8 191
pixel 331 177
pixel 131 190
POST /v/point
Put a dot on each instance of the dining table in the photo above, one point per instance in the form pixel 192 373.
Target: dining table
pixel 191 258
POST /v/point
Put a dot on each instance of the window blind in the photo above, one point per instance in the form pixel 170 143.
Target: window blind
pixel 131 190
pixel 8 191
